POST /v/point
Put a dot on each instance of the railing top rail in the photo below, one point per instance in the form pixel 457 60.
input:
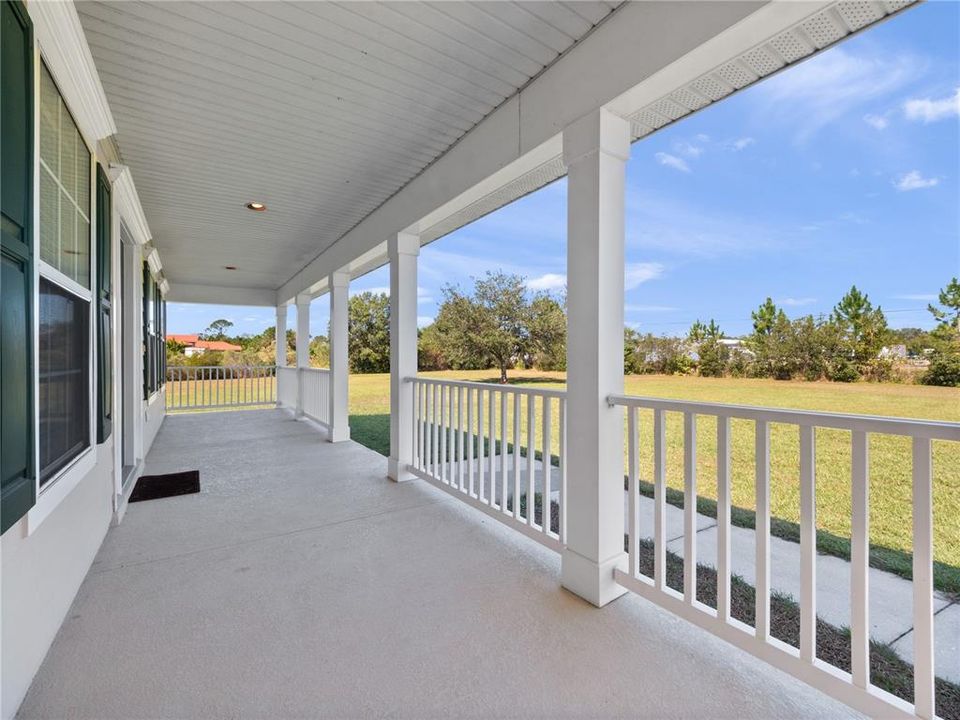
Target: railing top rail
pixel 929 429
pixel 323 371
pixel 523 389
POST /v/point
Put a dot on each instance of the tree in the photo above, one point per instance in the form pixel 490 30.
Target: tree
pixel 772 335
pixel 217 330
pixel 369 330
pixel 945 362
pixel 862 327
pixel 713 355
pixel 492 324
pixel 548 333
pixel 320 352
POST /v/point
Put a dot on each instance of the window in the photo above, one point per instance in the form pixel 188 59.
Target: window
pixel 64 292
pixel 154 335
pixel 64 378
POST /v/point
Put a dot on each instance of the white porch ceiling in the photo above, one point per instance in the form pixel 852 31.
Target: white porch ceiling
pixel 320 110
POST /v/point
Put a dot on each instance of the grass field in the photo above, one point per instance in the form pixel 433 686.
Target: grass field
pixel 890 479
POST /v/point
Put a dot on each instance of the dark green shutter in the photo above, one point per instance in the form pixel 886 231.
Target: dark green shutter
pixel 104 309
pixel 17 485
pixel 147 353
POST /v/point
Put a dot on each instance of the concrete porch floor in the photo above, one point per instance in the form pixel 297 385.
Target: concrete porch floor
pixel 302 583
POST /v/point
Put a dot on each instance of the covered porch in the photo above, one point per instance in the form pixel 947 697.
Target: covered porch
pixel 301 582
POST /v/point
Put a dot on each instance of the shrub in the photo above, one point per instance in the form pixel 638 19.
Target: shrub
pixel 944 370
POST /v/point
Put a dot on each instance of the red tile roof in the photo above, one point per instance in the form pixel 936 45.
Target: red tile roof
pixel 195 341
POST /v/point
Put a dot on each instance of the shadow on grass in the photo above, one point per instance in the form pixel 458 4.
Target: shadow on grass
pixel 521 380
pixel 372 431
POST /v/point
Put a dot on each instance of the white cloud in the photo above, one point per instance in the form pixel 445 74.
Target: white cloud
pixel 913 180
pixel 797 302
pixel 548 281
pixel 635 274
pixel 920 297
pixel 828 87
pixel 702 137
pixel 672 161
pixel 928 111
pixel 688 149
pixel 424 320
pixel 877 122
pixel 743 143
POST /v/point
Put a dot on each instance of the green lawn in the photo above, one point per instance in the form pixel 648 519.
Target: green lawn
pixel 890 480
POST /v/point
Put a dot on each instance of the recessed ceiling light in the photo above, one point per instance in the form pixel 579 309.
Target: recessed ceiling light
pixel 256 206
pixel 229 267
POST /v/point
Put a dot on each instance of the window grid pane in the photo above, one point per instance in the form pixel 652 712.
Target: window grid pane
pixel 64 188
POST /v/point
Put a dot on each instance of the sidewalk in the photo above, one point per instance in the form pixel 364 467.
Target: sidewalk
pixel 891 596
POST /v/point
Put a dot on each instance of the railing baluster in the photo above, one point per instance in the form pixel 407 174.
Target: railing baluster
pixel 563 470
pixel 723 518
pixel 633 549
pixel 517 477
pixel 492 452
pixel 443 434
pixel 481 447
pixel 762 534
pixel 860 560
pixel 461 438
pixel 451 437
pixel 660 498
pixel 546 516
pixel 531 458
pixel 923 677
pixel 434 435
pixel 690 507
pixel 808 544
pixel 504 475
pixel 470 478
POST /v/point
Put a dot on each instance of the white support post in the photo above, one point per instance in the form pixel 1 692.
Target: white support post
pixel 403 250
pixel 595 150
pixel 339 360
pixel 281 336
pixel 303 345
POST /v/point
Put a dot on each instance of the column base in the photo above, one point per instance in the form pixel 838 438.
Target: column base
pixel 590 580
pixel 338 434
pixel 397 471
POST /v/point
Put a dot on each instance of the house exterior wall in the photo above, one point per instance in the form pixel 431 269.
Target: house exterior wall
pixel 47 552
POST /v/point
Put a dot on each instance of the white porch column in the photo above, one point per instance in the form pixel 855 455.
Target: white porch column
pixel 281 336
pixel 403 250
pixel 339 360
pixel 595 150
pixel 303 345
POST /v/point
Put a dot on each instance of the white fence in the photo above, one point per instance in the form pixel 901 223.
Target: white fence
pixel 479 442
pixel 218 387
pixel 802 662
pixel 287 386
pixel 315 385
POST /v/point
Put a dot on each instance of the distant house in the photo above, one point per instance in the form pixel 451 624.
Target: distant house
pixel 894 352
pixel 193 345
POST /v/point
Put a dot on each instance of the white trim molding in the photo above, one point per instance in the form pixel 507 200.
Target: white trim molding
pixel 127 202
pixel 64 44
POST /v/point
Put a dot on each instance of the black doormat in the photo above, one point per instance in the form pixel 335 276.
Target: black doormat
pixel 151 487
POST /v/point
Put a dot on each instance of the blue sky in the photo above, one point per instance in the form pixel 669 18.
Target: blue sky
pixel 842 170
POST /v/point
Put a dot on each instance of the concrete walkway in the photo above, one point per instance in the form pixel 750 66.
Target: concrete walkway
pixel 891 596
pixel 302 583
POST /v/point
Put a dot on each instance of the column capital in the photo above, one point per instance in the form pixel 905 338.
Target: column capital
pixel 304 299
pixel 404 243
pixel 340 278
pixel 600 131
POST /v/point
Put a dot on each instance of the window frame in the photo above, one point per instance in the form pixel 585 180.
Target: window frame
pixel 55 488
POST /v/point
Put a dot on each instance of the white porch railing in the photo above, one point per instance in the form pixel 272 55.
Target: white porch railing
pixel 218 387
pixel 287 386
pixel 316 394
pixel 801 662
pixel 479 442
